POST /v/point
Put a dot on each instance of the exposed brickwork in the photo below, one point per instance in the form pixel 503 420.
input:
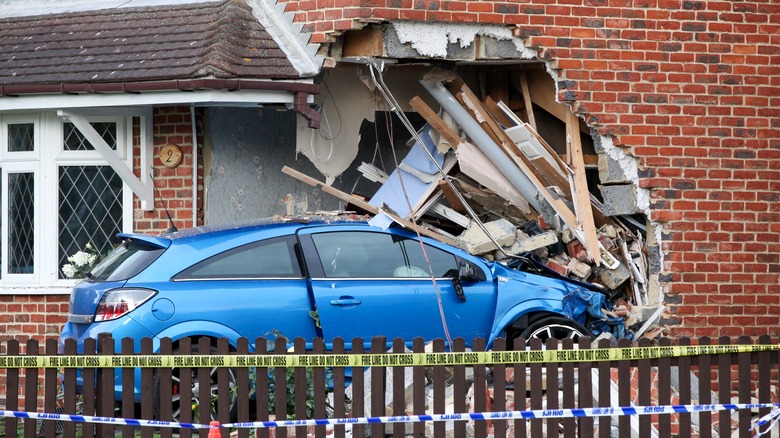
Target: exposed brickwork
pixel 171 125
pixel 690 88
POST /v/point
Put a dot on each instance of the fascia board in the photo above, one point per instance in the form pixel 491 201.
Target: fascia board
pixel 204 97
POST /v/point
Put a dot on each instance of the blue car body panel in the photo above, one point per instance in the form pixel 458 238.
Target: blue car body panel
pixel 310 304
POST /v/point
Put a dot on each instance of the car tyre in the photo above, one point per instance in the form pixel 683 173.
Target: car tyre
pixel 194 403
pixel 555 327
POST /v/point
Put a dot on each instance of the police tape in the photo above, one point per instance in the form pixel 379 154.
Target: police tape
pixel 512 415
pixel 100 420
pixel 376 359
pixel 474 416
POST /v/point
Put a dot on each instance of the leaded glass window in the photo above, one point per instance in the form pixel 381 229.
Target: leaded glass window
pixel 74 140
pixel 21 137
pixel 90 209
pixel 21 223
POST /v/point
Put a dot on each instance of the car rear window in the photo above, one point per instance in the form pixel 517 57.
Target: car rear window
pixel 125 261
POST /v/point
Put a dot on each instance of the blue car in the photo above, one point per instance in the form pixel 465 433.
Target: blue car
pixel 311 278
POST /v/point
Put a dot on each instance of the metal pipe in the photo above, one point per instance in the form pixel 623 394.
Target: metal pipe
pixel 483 141
pixel 194 166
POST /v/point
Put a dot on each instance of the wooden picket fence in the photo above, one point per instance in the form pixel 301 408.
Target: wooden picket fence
pixel 320 392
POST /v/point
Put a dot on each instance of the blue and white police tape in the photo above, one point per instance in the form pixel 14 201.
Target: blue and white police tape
pixel 769 419
pixel 101 420
pixel 511 415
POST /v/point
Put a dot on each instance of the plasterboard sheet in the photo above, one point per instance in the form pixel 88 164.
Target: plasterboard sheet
pixel 402 184
pixel 478 167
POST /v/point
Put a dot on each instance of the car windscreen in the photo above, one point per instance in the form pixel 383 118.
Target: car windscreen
pixel 125 261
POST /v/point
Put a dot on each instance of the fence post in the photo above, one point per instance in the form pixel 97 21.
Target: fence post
pixel 724 388
pixel 128 390
pixel 536 389
pixel 744 379
pixel 684 368
pixel 318 381
pixel 585 383
pixel 300 395
pixel 605 393
pixel 519 388
pixel 147 388
pixel 261 389
pixel 339 386
pixel 162 392
pixel 31 389
pixel 223 388
pixel 105 384
pixel 280 387
pixel 50 391
pixel 358 390
pixel 378 346
pixel 568 402
pixel 705 388
pixel 645 387
pixel 458 387
pixel 399 389
pixel 418 393
pixel 69 395
pixel 242 388
pixel 480 386
pixel 12 387
pixel 499 389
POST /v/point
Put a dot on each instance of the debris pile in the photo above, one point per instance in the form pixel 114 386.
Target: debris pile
pixel 479 176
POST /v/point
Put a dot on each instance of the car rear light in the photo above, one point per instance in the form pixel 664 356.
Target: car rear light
pixel 119 302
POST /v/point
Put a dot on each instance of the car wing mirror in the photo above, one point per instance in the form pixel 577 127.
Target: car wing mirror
pixel 468 272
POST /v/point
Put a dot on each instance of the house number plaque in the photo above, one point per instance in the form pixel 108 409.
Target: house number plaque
pixel 170 155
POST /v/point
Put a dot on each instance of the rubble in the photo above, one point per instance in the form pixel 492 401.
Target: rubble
pixel 480 177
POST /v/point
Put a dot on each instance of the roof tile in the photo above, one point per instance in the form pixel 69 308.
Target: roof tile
pixel 201 40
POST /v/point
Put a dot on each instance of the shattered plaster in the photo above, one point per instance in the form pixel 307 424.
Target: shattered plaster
pixel 431 39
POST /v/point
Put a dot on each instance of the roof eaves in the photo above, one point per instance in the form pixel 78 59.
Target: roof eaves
pixel 288 36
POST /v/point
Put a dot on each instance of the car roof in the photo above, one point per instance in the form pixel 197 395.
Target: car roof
pixel 248 225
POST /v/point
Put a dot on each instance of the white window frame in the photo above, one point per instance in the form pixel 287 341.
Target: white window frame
pixel 48 157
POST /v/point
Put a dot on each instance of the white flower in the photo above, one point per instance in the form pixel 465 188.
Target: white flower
pixel 69 270
pixel 80 259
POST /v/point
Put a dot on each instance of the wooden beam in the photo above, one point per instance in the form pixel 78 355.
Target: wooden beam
pixel 365 205
pixel 463 93
pixel 529 108
pixel 433 119
pixel 493 108
pixel 366 42
pixel 579 189
pixel 451 197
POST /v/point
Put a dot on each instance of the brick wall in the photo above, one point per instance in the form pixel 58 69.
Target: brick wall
pixel 171 125
pixel 692 90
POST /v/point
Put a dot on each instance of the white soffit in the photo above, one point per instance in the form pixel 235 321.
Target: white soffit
pixel 173 97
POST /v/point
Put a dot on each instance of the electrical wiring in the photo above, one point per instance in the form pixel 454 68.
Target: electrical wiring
pixel 394 108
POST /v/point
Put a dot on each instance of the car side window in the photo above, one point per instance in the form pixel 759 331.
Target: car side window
pixel 357 254
pixel 271 258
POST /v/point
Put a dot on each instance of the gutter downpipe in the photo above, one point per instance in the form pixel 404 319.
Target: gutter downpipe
pixel 194 166
pixel 483 141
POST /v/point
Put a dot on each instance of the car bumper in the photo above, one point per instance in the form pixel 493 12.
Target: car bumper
pixel 118 329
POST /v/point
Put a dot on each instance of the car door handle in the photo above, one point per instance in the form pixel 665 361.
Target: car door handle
pixel 345 302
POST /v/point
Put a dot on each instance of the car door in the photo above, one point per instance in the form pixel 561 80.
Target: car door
pixel 368 282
